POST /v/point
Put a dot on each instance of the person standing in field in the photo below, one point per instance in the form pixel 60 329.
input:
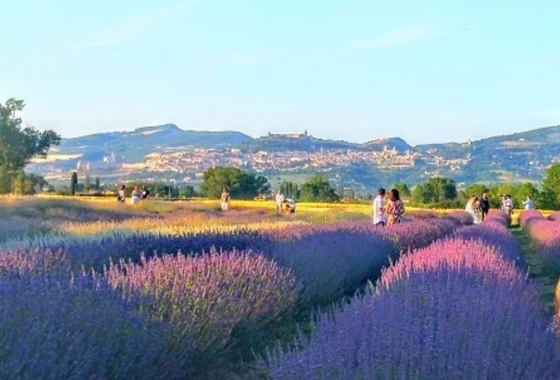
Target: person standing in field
pixel 484 206
pixel 280 198
pixel 136 196
pixel 508 207
pixel 379 218
pixel 395 208
pixel 145 193
pixel 529 204
pixel 122 194
pixel 225 199
pixel 472 207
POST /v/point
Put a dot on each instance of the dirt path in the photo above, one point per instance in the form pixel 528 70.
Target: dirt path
pixel 544 276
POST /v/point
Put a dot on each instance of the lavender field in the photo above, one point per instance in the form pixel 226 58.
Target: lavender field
pixel 94 290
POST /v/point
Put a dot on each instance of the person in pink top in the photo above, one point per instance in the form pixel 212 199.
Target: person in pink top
pixel 379 218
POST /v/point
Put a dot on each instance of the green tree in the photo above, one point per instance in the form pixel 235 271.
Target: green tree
pixel 472 190
pixel 241 184
pixel 18 144
pixel 403 189
pixel 547 200
pixel 525 190
pixel 188 192
pixel 551 183
pixel 19 183
pixel 318 189
pixel 436 190
pixel 74 183
pixel 87 182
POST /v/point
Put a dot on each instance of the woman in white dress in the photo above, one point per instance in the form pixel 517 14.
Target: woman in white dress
pixel 472 208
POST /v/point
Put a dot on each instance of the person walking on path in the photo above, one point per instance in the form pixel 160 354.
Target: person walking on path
pixel 280 198
pixel 225 199
pixel 395 208
pixel 529 204
pixel 379 218
pixel 484 206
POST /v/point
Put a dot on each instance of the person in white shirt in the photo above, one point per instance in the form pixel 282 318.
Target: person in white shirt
pixel 280 198
pixel 379 218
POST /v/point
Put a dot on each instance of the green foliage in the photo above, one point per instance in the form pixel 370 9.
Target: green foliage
pixel 403 189
pixel 291 190
pixel 87 182
pixel 18 144
pixel 318 189
pixel 436 190
pixel 241 184
pixel 28 184
pixel 473 190
pixel 552 181
pixel 188 192
pixel 547 200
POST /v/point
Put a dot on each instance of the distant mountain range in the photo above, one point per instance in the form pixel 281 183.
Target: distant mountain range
pixel 167 152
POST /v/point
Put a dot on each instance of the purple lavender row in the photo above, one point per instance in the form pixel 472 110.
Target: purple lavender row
pixel 456 309
pixel 545 234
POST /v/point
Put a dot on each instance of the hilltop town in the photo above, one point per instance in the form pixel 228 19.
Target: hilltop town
pixel 171 154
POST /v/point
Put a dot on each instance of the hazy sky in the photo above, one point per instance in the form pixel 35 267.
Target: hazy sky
pixel 427 71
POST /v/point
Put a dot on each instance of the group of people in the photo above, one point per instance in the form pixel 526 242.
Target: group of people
pixel 282 203
pixel 479 208
pixel 137 195
pixel 286 204
pixel 387 210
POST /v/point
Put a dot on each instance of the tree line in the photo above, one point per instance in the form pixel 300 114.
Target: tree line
pixel 441 192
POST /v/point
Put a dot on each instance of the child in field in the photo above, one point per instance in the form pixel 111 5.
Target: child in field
pixel 225 199
pixel 395 208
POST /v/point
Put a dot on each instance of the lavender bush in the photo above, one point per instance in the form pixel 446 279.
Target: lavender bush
pixel 454 310
pixel 206 298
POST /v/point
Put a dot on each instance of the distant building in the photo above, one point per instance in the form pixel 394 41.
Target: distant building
pixel 289 135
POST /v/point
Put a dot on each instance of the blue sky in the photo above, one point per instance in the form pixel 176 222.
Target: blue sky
pixel 427 71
